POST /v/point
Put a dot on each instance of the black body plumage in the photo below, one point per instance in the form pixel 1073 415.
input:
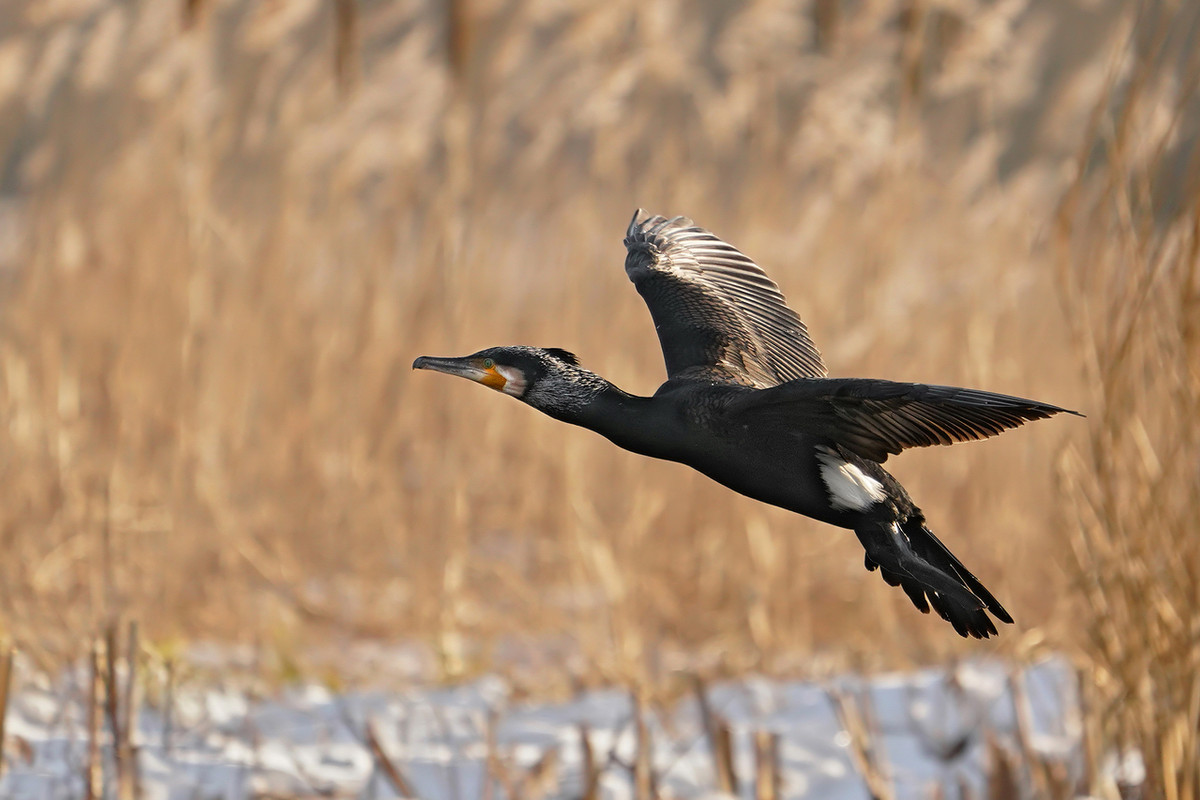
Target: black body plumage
pixel 747 403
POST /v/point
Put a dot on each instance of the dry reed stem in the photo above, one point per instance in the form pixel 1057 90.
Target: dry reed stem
pixel 723 758
pixel 129 777
pixel 854 717
pixel 345 50
pixel 1003 775
pixel 112 705
pixel 720 739
pixel 6 677
pixel 192 11
pixel 389 768
pixel 1023 717
pixel 768 780
pixel 495 769
pixel 541 778
pixel 93 778
pixel 645 783
pixel 168 701
pixel 591 771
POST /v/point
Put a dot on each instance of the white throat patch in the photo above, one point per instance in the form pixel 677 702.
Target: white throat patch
pixel 514 381
pixel 849 487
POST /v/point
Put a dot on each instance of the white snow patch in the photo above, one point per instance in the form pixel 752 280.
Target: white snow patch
pixel 308 741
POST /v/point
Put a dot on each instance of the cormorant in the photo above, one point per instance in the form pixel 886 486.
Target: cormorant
pixel 748 403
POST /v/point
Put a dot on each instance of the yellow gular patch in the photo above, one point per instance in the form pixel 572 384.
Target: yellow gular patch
pixel 493 379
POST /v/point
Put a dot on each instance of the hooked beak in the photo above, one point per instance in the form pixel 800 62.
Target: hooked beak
pixel 468 368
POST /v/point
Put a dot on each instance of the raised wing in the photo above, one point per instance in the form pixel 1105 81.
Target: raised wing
pixel 718 315
pixel 876 418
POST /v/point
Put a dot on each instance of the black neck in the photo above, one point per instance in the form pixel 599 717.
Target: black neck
pixel 639 424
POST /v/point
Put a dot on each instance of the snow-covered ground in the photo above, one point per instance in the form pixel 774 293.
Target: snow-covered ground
pixel 930 729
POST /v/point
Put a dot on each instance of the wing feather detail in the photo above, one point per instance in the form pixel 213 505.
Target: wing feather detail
pixel 876 418
pixel 717 314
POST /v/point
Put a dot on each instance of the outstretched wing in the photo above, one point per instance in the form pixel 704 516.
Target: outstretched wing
pixel 718 315
pixel 876 418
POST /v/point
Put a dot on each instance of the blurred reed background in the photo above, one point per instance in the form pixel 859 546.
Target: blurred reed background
pixel 226 229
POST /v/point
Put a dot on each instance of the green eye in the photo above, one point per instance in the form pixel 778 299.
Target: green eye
pixel 488 363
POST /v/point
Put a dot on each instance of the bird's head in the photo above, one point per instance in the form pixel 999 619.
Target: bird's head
pixel 549 379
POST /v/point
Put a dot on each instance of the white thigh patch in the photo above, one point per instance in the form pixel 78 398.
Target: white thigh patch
pixel 849 487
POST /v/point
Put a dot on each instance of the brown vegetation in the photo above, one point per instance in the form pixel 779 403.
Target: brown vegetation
pixel 226 229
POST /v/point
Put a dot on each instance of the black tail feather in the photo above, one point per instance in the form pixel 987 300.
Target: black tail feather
pixel 911 557
pixel 930 547
pixel 917 596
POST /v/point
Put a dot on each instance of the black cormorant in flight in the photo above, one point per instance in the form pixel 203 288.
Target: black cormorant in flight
pixel 747 403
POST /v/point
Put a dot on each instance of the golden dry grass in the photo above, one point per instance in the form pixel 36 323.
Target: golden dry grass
pixel 227 228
